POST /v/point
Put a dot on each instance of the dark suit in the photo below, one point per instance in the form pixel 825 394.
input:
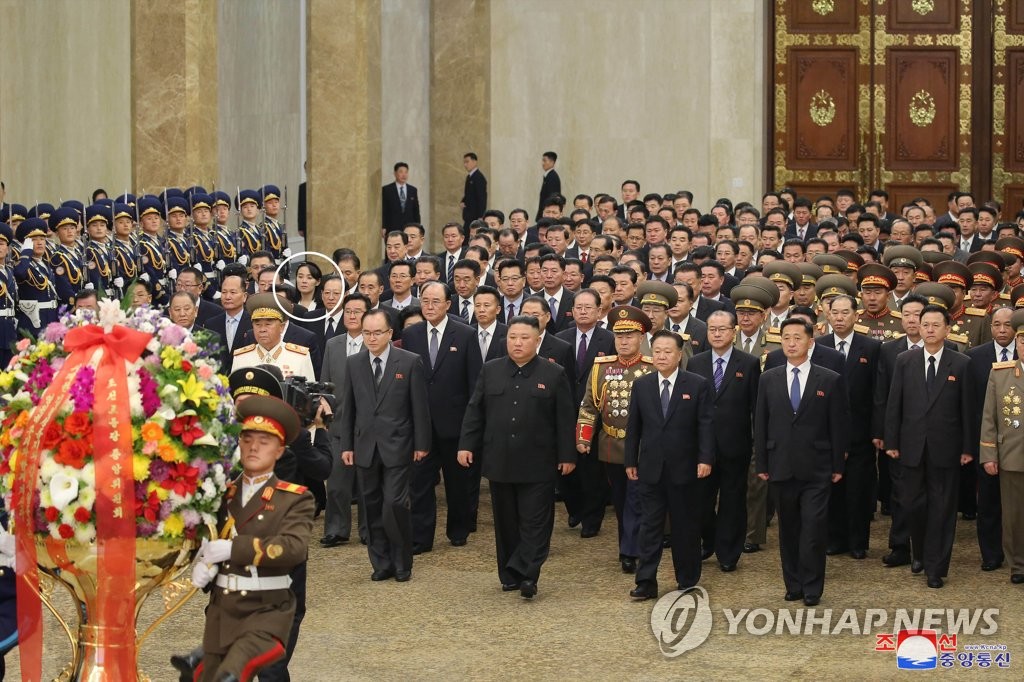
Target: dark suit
pixel 550 184
pixel 474 196
pixel 990 524
pixel 450 382
pixel 696 330
pixel 384 425
pixel 519 426
pixel 243 333
pixel 811 231
pixel 822 356
pixel 318 328
pixel 852 503
pixel 931 429
pixel 666 448
pixel 554 349
pixel 393 215
pixel 734 403
pixel 800 451
pixel 496 345
pixel 561 319
pixel 585 490
pixel 706 306
pixel 341 484
pixel 207 310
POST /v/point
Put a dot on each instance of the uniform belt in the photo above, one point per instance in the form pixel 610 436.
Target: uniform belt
pixel 7 312
pixel 240 582
pixel 46 305
pixel 211 275
pixel 614 432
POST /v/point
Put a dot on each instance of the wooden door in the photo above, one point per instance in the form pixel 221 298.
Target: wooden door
pixel 1008 106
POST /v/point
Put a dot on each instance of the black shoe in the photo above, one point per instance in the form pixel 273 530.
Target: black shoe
pixel 628 564
pixel 666 542
pixel 793 596
pixel 833 550
pixel 588 533
pixel 509 587
pixel 895 558
pixel 685 588
pixel 402 576
pixel 935 583
pixel 858 554
pixel 573 521
pixel 417 550
pixel 811 600
pixel 382 574
pixel 969 516
pixel 751 547
pixel 186 664
pixel 1017 578
pixel 643 592
pixel 332 541
pixel 728 568
pixel 528 589
pixel 916 566
pixel 472 527
pixel 707 554
pixel 991 565
pixel 458 542
pixel 362 541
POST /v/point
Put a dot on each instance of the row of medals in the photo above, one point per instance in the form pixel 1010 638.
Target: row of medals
pixel 1011 406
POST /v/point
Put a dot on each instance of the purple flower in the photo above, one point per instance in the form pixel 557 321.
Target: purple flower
pixel 165 509
pixel 81 390
pixel 158 470
pixel 144 528
pixel 55 332
pixel 149 391
pixel 201 465
pixel 39 380
pixel 172 335
pixel 191 518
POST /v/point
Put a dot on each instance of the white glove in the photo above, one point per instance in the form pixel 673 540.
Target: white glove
pixel 243 259
pixel 90 286
pixel 144 277
pixel 27 245
pixel 216 295
pixel 119 282
pixel 173 274
pixel 287 253
pixel 216 551
pixel 203 573
pixel 221 264
pixel 7 549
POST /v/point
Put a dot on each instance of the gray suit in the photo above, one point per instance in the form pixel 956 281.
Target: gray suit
pixel 383 425
pixel 341 484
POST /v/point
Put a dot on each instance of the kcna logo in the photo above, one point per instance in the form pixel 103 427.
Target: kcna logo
pixel 681 621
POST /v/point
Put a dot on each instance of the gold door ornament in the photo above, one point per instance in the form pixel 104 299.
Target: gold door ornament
pixel 822 108
pixel 823 7
pixel 922 109
pixel 922 7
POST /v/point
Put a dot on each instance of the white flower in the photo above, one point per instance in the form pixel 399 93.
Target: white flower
pixel 48 468
pixel 85 534
pixel 206 439
pixel 153 346
pixel 44 498
pixel 165 413
pixel 63 489
pixel 87 474
pixel 87 497
pixel 218 475
pixel 111 314
pixel 209 519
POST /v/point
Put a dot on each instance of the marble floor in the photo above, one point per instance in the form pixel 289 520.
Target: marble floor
pixel 452 620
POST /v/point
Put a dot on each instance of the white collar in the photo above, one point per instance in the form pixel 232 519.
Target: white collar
pixel 440 328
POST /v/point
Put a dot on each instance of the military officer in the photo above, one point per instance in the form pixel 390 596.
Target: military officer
pixel 971 325
pixel 656 298
pixel 1014 247
pixel 601 424
pixel 876 281
pixel 37 297
pixel 152 252
pixel 986 283
pixel 99 264
pixel 1002 446
pixel 753 297
pixel 179 248
pixel 903 261
pixel 8 298
pixel 125 257
pixel 787 277
pixel 266 526
pixel 854 262
pixel 249 237
pixel 68 269
pixel 828 287
pixel 268 320
pixel 275 235
pixel 804 294
pixel 205 256
pixel 1017 296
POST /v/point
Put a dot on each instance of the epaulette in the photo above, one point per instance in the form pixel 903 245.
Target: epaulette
pixel 773 338
pixel 860 312
pixel 1009 364
pixel 291 487
pixel 1005 295
pixel 861 329
pixel 297 348
pixel 898 335
pixel 977 312
pixel 246 349
pixel 958 338
pixel 648 359
pixel 605 358
pixel 897 314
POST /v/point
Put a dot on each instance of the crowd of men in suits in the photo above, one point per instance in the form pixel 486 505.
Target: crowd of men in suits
pixel 827 362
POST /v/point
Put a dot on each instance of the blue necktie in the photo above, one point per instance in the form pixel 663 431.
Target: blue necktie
pixel 1005 355
pixel 719 373
pixel 664 397
pixel 794 389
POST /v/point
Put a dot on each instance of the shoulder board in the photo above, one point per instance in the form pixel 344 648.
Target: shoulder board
pixel 1009 364
pixel 773 338
pixel 296 348
pixel 246 349
pixel 861 329
pixel 977 312
pixel 958 338
pixel 291 487
pixel 648 359
pixel 605 358
pixel 897 314
pixel 860 311
pixel 1005 295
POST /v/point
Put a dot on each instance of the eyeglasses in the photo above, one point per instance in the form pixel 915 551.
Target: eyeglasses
pixel 584 308
pixel 510 280
pixel 719 330
pixel 374 335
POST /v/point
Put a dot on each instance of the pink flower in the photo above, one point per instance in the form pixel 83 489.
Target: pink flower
pixel 54 332
pixel 205 372
pixel 190 348
pixel 23 344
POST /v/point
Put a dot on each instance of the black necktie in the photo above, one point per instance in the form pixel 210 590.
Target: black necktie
pixel 931 374
pixel 330 327
pixel 378 371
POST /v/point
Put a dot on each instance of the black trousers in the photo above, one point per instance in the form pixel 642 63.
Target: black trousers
pixel 278 670
pixel 724 525
pixel 990 517
pixel 681 503
pixel 524 514
pixel 626 502
pixel 899 531
pixel 884 479
pixel 803 532
pixel 851 505
pixel 586 492
pixel 968 503
pixel 930 495
pixel 425 477
pixel 385 493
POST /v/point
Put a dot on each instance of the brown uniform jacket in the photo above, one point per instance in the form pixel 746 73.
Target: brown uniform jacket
pixel 605 409
pixel 1002 422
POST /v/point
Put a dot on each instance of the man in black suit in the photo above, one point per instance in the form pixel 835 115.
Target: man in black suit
pixel 801 435
pixel 385 428
pixel 552 272
pixel 669 446
pixel 801 226
pixel 519 425
pixel 233 324
pixel 551 184
pixel 928 429
pixel 490 333
pixel 552 348
pixel 330 323
pixel 820 355
pixel 400 202
pixel 1001 349
pixel 585 491
pixel 451 358
pixel 852 503
pixel 733 376
pixel 474 196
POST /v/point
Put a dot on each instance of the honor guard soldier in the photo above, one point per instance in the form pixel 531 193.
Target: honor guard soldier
pixel 903 261
pixel 204 245
pixel 37 297
pixel 268 321
pixel 753 297
pixel 179 249
pixel 65 262
pixel 221 210
pixel 1014 247
pixel 1002 446
pixel 249 237
pixel 129 200
pixel 13 215
pixel 44 211
pixel 99 263
pixel 601 424
pixel 8 298
pixel 971 322
pixel 876 281
pixel 266 526
pixel 125 258
pixel 787 278
pixel 152 252
pixel 223 242
pixel 275 235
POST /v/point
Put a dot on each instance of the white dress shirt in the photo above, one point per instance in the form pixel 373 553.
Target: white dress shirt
pixel 353 344
pixel 671 379
pixel 805 370
pixel 485 346
pixel 938 361
pixel 848 340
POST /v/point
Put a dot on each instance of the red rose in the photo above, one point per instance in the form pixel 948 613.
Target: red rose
pixel 186 365
pixel 66 531
pixel 52 514
pixel 72 453
pixel 52 436
pixel 77 423
pixel 83 515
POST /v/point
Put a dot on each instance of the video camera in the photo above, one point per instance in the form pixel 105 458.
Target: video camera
pixel 304 397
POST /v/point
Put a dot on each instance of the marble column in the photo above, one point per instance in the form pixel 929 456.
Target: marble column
pixel 174 94
pixel 460 99
pixel 343 95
